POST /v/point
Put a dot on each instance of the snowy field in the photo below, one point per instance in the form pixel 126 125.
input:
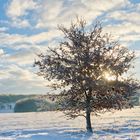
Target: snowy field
pixel 120 125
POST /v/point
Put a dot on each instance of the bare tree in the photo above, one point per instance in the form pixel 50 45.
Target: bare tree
pixel 79 65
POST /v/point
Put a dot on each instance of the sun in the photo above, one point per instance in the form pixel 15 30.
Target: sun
pixel 110 77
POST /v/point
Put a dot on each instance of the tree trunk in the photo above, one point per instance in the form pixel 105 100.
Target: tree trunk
pixel 88 122
pixel 88 112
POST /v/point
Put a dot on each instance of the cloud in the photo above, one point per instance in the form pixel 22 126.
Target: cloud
pixel 18 23
pixel 102 5
pixel 48 13
pixel 53 12
pixel 24 47
pixel 1 52
pixel 14 23
pixel 16 86
pixel 18 8
pixel 44 36
pixel 125 31
pixel 9 39
pixel 137 53
pixel 133 17
pixel 15 79
pixel 125 23
pixel 25 55
pixel 17 41
pixel 17 72
pixel 3 29
pixel 123 28
pixel 22 57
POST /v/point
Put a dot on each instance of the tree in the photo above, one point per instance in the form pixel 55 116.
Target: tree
pixel 80 64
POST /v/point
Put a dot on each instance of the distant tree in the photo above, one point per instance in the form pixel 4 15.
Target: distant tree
pixel 80 64
pixel 34 104
pixel 26 105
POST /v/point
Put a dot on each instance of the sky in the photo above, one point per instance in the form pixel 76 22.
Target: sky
pixel 28 27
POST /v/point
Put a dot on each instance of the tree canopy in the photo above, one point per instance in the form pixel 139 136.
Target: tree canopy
pixel 80 64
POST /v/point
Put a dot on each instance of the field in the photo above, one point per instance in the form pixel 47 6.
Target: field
pixel 119 125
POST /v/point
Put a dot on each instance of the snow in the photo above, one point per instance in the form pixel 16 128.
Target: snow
pixel 119 125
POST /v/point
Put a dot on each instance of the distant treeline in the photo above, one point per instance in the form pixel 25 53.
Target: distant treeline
pixel 13 98
pixel 34 104
pixel 30 103
pixel 37 103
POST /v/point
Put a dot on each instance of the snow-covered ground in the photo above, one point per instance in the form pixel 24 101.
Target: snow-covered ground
pixel 120 125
